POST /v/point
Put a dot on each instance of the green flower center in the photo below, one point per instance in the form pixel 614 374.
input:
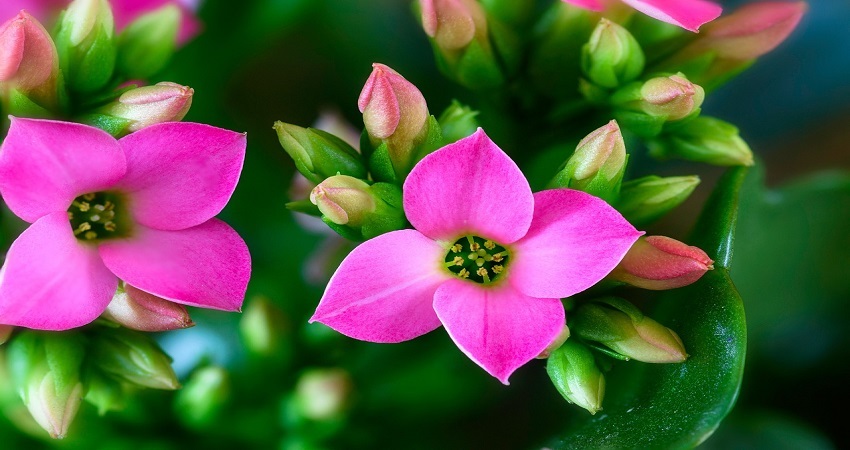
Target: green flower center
pixel 97 216
pixel 477 259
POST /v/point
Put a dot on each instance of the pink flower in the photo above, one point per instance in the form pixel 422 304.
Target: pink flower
pixel 688 14
pixel 139 209
pixel 488 260
pixel 124 11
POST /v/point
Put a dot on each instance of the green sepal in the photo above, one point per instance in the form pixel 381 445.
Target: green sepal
pixel 381 166
pixel 477 68
pixel 639 123
pixel 457 122
pixel 87 66
pixel 22 106
pixel 597 185
pixel 116 126
pixel 103 392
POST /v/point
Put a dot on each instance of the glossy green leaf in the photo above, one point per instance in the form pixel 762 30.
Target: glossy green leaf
pixel 680 405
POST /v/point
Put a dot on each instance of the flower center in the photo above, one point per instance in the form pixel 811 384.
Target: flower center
pixel 477 259
pixel 96 216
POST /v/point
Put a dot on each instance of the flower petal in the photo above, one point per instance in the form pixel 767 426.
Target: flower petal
pixel 499 328
pixel 181 174
pixel 575 240
pixel 593 5
pixel 51 281
pixel 207 265
pixel 45 164
pixel 688 14
pixel 383 290
pixel 469 187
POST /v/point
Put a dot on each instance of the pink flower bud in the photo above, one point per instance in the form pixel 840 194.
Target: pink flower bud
pixel 602 151
pixel 28 58
pixel 392 107
pixel 751 30
pixel 343 200
pixel 673 96
pixel 453 23
pixel 138 310
pixel 149 105
pixel 658 262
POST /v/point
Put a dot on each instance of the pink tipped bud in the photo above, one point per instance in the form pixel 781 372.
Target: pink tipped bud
pixel 453 23
pixel 28 58
pixel 344 200
pixel 673 96
pixel 392 107
pixel 149 105
pixel 138 310
pixel 658 262
pixel 751 30
pixel 602 151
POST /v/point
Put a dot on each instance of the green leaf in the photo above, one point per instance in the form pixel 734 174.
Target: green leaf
pixel 680 405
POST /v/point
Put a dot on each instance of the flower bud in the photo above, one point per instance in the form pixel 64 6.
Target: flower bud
pixel 674 97
pixel 646 199
pixel 457 122
pixel 45 368
pixel 86 44
pixel 139 310
pixel 146 45
pixel 5 332
pixel 264 328
pixel 598 164
pixel 29 62
pixel 318 154
pixel 703 139
pixel 659 262
pixel 149 105
pixel 133 357
pixel 575 375
pixel 621 327
pixel 203 397
pixel 612 56
pixel 556 344
pixel 344 200
pixel 452 24
pixel 323 394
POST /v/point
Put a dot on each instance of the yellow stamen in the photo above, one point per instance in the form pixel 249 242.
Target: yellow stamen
pixel 463 273
pixel 498 269
pixel 85 226
pixel 474 246
pixel 497 257
pixel 457 248
pixel 109 226
pixel 490 245
pixel 89 196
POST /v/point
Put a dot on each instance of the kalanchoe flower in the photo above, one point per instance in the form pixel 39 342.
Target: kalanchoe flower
pixel 488 260
pixel 29 62
pixel 659 262
pixel 141 311
pixel 149 105
pixel 139 209
pixel 688 14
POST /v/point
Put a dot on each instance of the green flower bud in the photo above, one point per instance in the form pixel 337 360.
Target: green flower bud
pixel 146 45
pixel 612 57
pixel 318 154
pixel 45 369
pixel 671 98
pixel 575 375
pixel 323 394
pixel 457 122
pixel 203 397
pixel 133 357
pixel 357 210
pixel 264 328
pixel 646 199
pixel 703 139
pixel 86 45
pixel 149 105
pixel 620 326
pixel 598 164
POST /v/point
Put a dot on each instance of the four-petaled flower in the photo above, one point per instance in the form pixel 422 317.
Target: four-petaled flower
pixel 688 14
pixel 488 260
pixel 139 209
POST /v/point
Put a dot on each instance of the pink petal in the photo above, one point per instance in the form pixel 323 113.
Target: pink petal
pixel 383 290
pixel 207 265
pixel 593 5
pixel 181 174
pixel 45 164
pixel 469 187
pixel 52 281
pixel 575 240
pixel 688 14
pixel 499 328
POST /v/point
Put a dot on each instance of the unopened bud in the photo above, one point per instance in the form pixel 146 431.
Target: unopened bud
pixel 576 376
pixel 457 122
pixel 139 310
pixel 556 344
pixel 29 62
pixel 620 326
pixel 149 105
pixel 323 394
pixel 703 139
pixel 598 164
pixel 319 154
pixel 86 44
pixel 45 368
pixel 146 45
pixel 133 357
pixel 203 397
pixel 344 200
pixel 674 97
pixel 612 56
pixel 659 262
pixel 646 199
pixel 5 332
pixel 453 24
